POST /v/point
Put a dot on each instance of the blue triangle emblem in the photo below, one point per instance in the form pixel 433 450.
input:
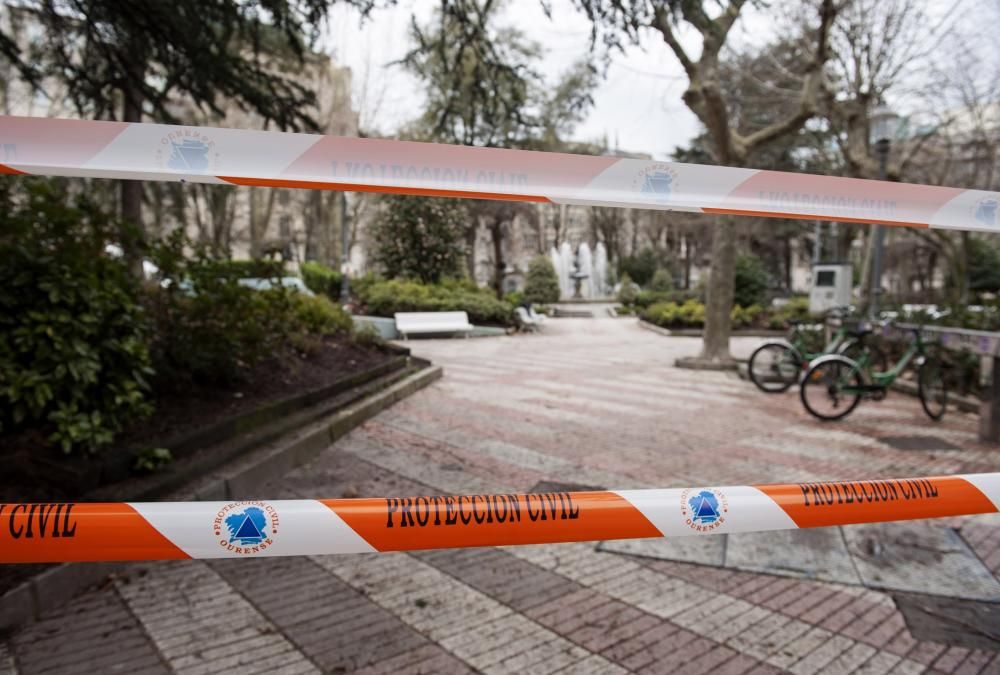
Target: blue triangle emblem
pixel 705 510
pixel 247 530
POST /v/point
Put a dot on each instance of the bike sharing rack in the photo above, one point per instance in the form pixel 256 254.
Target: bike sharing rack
pixel 986 345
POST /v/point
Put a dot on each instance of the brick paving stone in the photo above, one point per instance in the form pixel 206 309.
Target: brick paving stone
pixel 569 612
pixel 593 620
pixel 845 615
pixel 907 667
pixel 635 652
pixel 926 652
pixel 801 646
pixel 668 659
pixel 510 580
pixel 737 625
pixel 334 625
pixel 592 665
pixel 849 660
pixel 902 643
pixel 881 662
pixel 428 659
pixel 975 662
pixel 193 594
pixel 818 658
pixel 489 632
pixel 95 632
pixel 738 665
pixel 711 660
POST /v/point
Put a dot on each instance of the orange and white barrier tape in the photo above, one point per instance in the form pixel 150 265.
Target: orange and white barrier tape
pixel 60 147
pixel 161 531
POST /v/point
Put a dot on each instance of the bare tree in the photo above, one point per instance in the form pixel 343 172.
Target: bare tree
pixel 711 103
pixel 608 225
pixel 880 48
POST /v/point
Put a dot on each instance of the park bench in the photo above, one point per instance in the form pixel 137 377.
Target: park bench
pixel 424 323
pixel 529 319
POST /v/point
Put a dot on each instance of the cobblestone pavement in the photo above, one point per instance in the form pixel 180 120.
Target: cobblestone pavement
pixel 591 402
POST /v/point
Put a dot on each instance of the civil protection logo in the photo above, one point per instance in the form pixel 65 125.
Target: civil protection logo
pixel 987 211
pixel 246 527
pixel 657 181
pixel 187 151
pixel 704 510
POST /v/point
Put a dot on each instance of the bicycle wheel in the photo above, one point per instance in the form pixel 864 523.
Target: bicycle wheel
pixel 831 388
pixel 854 349
pixel 932 389
pixel 774 367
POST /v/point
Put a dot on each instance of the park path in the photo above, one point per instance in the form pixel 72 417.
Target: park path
pixel 588 402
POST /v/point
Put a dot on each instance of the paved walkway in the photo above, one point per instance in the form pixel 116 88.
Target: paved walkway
pixel 590 402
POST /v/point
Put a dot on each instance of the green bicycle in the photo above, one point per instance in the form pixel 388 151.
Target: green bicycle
pixel 834 384
pixel 777 364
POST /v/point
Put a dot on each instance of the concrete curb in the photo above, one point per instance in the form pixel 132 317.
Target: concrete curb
pixel 54 587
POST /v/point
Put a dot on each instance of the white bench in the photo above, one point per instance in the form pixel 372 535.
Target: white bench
pixel 529 319
pixel 416 323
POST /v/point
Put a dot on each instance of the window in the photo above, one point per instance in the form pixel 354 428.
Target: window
pixel 826 278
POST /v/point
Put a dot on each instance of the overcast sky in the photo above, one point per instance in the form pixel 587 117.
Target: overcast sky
pixel 638 105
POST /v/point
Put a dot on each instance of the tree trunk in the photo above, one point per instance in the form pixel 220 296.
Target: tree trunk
pixel 687 264
pixel 788 264
pixel 963 278
pixel 470 247
pixel 132 243
pixel 260 218
pixel 865 295
pixel 496 233
pixel 719 304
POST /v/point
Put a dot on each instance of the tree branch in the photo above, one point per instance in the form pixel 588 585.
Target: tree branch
pixel 810 87
pixel 661 22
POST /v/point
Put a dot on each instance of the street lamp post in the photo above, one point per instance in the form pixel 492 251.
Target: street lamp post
pixel 884 125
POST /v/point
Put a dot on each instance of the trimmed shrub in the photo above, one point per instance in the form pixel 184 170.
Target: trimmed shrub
pixel 662 281
pixel 642 266
pixel 541 284
pixel 321 279
pixel 745 317
pixel 690 314
pixel 514 298
pixel 796 309
pixel 208 328
pixel 73 356
pixel 318 315
pixel 752 281
pixel 420 237
pixel 385 298
pixel 627 292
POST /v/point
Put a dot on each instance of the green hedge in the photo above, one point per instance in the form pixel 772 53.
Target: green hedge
pixel 244 269
pixel 385 298
pixel 321 279
pixel 648 298
pixel 86 348
pixel 691 314
pixel 74 362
